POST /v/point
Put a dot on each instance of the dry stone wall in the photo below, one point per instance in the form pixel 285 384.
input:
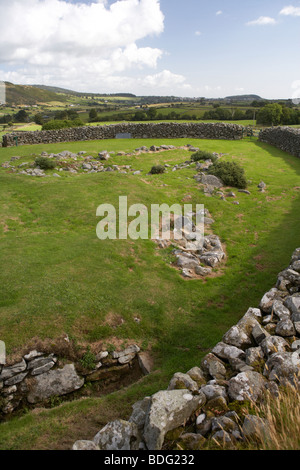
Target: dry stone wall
pixel 261 352
pixel 284 138
pixel 39 378
pixel 137 131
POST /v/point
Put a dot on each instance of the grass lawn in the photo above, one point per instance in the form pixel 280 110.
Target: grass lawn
pixel 58 278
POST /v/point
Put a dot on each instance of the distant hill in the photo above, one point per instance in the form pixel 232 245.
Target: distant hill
pixel 244 98
pixel 55 89
pixel 29 95
pixel 82 94
pixel 35 94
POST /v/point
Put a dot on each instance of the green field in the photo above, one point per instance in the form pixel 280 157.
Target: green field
pixel 47 101
pixel 57 278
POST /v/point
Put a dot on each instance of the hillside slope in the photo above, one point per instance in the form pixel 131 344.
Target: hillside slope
pixel 29 95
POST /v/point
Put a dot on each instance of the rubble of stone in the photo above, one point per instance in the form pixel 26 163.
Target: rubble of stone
pixel 81 162
pixel 38 377
pixel 193 259
pixel 284 138
pixel 260 353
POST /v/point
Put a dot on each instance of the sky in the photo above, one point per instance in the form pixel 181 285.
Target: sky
pixel 186 48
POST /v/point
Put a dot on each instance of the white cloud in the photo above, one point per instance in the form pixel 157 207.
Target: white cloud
pixel 290 11
pixel 296 92
pixel 165 80
pixel 198 33
pixel 210 88
pixel 219 12
pixel 161 83
pixel 262 21
pixel 67 43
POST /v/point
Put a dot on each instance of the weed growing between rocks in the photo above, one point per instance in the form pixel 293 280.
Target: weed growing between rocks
pixel 45 163
pixel 280 416
pixel 202 155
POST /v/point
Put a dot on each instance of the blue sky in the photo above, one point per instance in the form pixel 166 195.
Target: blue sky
pixel 154 47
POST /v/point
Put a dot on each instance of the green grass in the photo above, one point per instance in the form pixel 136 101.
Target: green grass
pixel 31 127
pixel 58 278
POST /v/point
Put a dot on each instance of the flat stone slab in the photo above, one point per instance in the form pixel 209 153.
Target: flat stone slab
pixel 10 371
pixel 55 383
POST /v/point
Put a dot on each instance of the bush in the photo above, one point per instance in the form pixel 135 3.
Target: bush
pixel 93 115
pixel 45 163
pixel 56 124
pixel 202 155
pixel 21 116
pixel 230 173
pixel 270 115
pixel 157 170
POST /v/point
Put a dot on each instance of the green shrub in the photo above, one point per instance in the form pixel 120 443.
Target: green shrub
pixel 202 155
pixel 157 170
pixel 56 124
pixel 230 173
pixel 45 163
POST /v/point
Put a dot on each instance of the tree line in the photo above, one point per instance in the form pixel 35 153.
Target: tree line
pixel 278 114
pixel 272 114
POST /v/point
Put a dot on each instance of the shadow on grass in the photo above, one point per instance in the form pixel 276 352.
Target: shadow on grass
pixel 238 291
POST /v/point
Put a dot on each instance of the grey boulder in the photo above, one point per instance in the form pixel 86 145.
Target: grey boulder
pixel 283 368
pixel 169 410
pixel 118 435
pixel 248 385
pixel 54 383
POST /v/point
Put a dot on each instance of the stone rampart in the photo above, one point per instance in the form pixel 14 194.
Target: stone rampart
pixel 134 130
pixel 284 138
